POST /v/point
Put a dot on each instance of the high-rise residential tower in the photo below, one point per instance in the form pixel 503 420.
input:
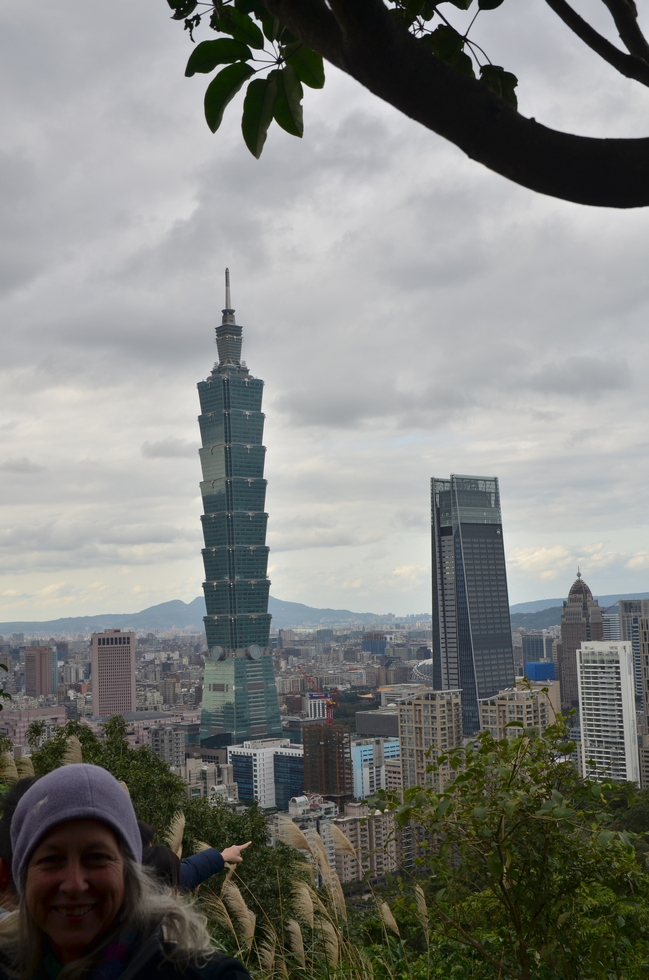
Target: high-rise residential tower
pixel 471 624
pixel 112 662
pixel 581 619
pixel 239 693
pixel 607 711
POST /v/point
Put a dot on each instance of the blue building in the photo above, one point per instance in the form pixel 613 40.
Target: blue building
pixel 542 670
pixel 368 763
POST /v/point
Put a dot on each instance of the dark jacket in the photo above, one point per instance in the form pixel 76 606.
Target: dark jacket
pixel 198 867
pixel 149 963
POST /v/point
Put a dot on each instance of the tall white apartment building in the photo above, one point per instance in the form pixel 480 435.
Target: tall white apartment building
pixel 113 673
pixel 609 732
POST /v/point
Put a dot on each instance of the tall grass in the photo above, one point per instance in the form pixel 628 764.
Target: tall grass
pixel 311 938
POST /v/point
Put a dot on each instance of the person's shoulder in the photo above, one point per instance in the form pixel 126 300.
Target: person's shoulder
pixel 215 966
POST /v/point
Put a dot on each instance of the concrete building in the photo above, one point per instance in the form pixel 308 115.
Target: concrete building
pixel 369 756
pixel 113 673
pixel 170 689
pixel 38 672
pixel 14 722
pixel 611 628
pixel 393 775
pixel 532 707
pixel 609 733
pixel 372 836
pixel 328 762
pixel 208 780
pixel 381 722
pixel 264 769
pixel 168 744
pixel 429 725
pixel 581 620
pixel 631 611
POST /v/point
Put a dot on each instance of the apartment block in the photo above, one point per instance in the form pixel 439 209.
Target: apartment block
pixel 609 733
pixel 372 836
pixel 254 769
pixel 429 725
pixel 369 756
pixel 532 707
pixel 168 744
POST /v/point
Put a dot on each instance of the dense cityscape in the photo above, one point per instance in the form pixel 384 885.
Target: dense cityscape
pixel 310 723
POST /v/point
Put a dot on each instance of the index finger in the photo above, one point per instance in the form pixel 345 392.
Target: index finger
pixel 242 847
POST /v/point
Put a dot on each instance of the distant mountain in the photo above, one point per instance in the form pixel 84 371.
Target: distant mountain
pixel 541 620
pixel 177 614
pixel 604 601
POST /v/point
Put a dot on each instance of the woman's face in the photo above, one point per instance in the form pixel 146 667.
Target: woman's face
pixel 75 885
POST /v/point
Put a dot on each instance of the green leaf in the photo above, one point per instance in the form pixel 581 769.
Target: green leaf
pixel 443 807
pixel 182 8
pixel 444 41
pixel 242 27
pixel 208 54
pixel 489 4
pixel 258 108
pixel 462 4
pixel 605 837
pixel 288 105
pixel 308 64
pixel 494 866
pixel 501 82
pixel 222 90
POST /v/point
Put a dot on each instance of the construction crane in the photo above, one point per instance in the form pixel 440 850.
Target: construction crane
pixel 331 701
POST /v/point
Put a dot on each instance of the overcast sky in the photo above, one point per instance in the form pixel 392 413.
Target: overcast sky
pixel 411 314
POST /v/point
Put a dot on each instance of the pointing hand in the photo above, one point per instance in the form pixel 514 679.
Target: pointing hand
pixel 232 854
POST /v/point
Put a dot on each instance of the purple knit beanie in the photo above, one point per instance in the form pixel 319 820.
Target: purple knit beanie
pixel 76 792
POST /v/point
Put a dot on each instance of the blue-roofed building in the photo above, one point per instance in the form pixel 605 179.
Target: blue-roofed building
pixel 540 670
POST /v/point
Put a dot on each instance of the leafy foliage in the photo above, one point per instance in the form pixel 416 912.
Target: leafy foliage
pixel 525 867
pixel 255 42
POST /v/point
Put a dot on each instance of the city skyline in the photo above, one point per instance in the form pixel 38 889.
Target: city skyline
pixel 413 314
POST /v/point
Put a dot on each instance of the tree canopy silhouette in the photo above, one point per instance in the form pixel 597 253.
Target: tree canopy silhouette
pixel 409 53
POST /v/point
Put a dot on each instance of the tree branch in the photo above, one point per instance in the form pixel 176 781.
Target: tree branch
pixel 363 40
pixel 625 15
pixel 627 64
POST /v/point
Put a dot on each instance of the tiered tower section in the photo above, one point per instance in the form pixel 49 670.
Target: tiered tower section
pixel 234 493
pixel 235 556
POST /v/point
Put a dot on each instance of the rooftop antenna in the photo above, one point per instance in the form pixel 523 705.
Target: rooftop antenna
pixel 228 301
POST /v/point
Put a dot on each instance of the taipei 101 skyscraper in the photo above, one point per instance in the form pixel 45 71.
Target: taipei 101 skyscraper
pixel 239 692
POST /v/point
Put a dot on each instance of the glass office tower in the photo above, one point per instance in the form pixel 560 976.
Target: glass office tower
pixel 239 692
pixel 471 624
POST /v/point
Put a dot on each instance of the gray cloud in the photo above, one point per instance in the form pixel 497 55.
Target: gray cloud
pixel 22 465
pixel 409 312
pixel 170 448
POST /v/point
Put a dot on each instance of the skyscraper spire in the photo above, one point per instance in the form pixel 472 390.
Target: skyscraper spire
pixel 228 301
pixel 228 312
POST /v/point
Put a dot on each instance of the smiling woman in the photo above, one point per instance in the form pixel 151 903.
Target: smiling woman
pixel 87 908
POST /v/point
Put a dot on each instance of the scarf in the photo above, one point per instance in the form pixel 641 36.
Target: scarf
pixel 111 965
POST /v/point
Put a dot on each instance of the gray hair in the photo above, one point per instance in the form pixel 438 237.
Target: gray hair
pixel 148 905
